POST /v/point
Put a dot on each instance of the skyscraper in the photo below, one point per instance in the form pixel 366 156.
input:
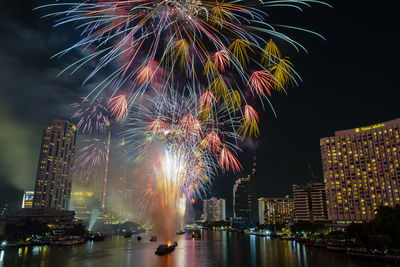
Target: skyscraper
pixel 53 179
pixel 361 170
pixel 214 209
pixel 245 205
pixel 244 200
pixel 275 210
pixel 310 202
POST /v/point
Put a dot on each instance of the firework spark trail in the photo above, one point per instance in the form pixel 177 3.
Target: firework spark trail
pixel 189 69
pixel 91 115
pixel 171 121
pixel 186 37
pixel 119 107
pixel 89 159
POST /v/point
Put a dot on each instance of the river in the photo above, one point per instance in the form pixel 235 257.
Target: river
pixel 215 248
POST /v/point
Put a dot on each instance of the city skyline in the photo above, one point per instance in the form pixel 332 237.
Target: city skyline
pixel 302 109
pixel 199 133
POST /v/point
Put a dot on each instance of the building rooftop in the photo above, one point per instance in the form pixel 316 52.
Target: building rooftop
pixel 367 128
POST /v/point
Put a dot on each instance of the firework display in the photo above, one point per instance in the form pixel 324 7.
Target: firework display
pixel 185 78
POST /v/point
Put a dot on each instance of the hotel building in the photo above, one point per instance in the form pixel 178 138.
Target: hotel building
pixel 214 209
pixel 310 202
pixel 361 170
pixel 275 210
pixel 53 179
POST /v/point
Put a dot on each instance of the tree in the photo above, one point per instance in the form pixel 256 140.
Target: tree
pixel 306 227
pixel 387 226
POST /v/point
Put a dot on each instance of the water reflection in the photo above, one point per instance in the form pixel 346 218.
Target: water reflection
pixel 253 249
pixel 216 248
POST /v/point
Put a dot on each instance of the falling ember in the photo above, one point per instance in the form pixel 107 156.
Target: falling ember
pixel 90 157
pixel 157 126
pixel 119 107
pixel 145 74
pixel 261 81
pixel 250 114
pixel 191 125
pixel 207 99
pixel 221 60
pixel 212 141
pixel 161 48
pixel 92 115
pixel 228 161
pixel 250 122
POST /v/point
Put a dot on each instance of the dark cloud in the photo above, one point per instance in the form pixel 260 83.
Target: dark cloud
pixel 31 95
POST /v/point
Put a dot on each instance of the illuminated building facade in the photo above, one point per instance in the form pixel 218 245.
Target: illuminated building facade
pixel 361 170
pixel 53 179
pixel 27 199
pixel 310 202
pixel 214 209
pixel 275 210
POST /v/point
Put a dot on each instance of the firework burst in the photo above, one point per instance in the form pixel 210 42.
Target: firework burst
pixel 189 68
pixel 91 115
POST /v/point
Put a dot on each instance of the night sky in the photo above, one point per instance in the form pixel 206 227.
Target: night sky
pixel 349 80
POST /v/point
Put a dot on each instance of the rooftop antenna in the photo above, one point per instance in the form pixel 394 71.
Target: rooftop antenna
pixel 314 178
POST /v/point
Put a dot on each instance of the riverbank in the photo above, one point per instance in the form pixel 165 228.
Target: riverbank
pixel 214 248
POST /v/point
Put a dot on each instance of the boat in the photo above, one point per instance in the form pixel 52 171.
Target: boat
pixel 196 236
pixel 96 237
pixel 153 238
pixel 175 244
pixel 372 254
pixel 320 244
pixel 180 232
pixel 128 234
pixel 337 246
pixel 67 241
pixel 164 249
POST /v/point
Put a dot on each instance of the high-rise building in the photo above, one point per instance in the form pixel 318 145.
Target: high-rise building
pixel 245 200
pixel 275 210
pixel 361 170
pixel 245 204
pixel 27 199
pixel 53 179
pixel 214 209
pixel 310 202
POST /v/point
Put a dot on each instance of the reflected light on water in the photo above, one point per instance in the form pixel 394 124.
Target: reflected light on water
pixel 304 255
pixel 253 249
pixel 263 251
pixel 216 248
pixel 35 250
pixel 225 236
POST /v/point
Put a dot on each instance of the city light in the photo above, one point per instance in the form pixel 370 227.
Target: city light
pixel 132 126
